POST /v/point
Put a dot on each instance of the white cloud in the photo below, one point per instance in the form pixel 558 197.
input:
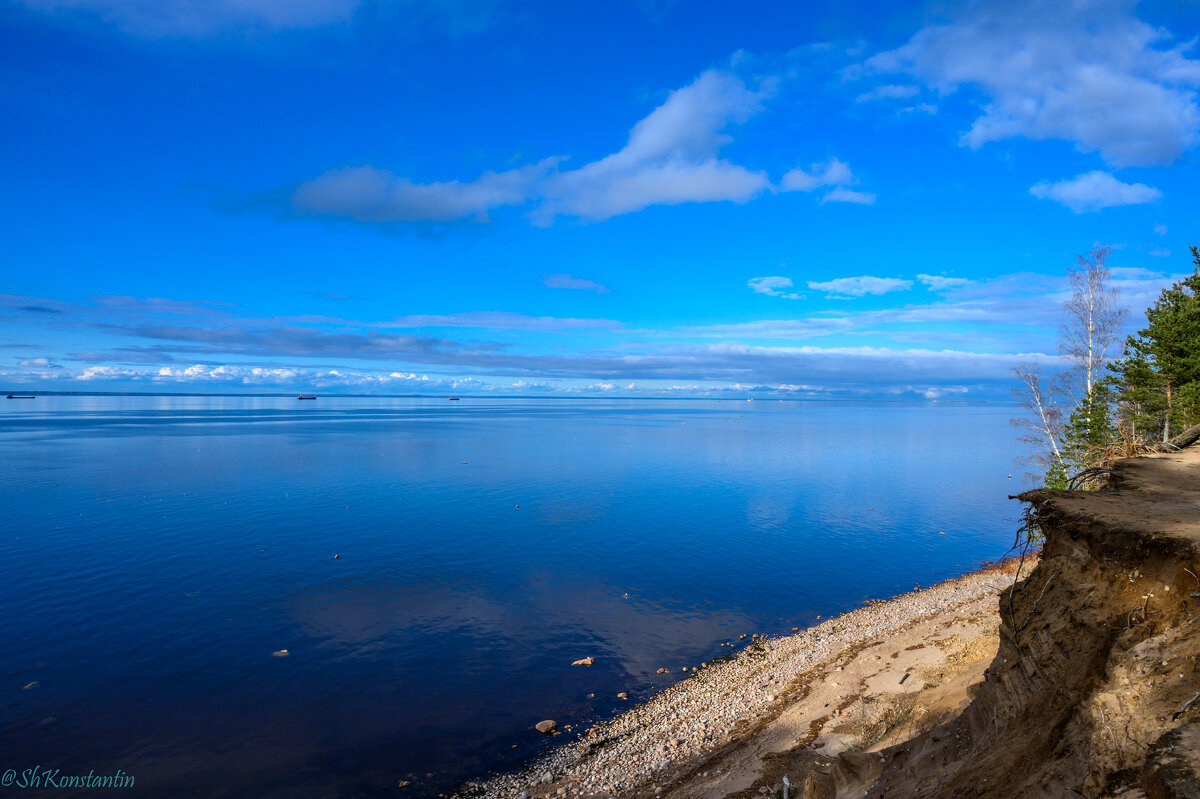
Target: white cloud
pixel 598 194
pixel 281 376
pixel 564 281
pixel 1160 252
pixel 157 18
pixel 670 157
pixel 1085 72
pixel 841 195
pixel 888 92
pixel 860 286
pixel 528 385
pixel 826 173
pixel 109 373
pixel 36 363
pixel 941 283
pixel 1160 230
pixel 935 392
pixel 1094 191
pixel 773 286
pixel 367 194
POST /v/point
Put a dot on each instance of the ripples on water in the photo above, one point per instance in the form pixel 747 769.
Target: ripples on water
pixel 157 550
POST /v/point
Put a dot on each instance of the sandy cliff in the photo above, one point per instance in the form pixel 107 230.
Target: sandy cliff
pixel 1082 679
pixel 1092 692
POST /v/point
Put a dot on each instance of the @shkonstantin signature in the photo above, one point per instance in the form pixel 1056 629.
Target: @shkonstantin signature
pixel 38 777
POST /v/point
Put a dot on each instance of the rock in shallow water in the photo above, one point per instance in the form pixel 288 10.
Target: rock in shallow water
pixel 584 661
pixel 546 727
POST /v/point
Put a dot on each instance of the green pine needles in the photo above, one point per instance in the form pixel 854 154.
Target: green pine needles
pixel 1105 408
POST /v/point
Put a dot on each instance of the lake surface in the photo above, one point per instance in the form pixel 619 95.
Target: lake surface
pixel 156 551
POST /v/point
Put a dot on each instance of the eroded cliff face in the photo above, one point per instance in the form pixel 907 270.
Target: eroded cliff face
pixel 1099 659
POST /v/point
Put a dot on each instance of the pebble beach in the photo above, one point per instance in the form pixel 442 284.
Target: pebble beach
pixel 644 749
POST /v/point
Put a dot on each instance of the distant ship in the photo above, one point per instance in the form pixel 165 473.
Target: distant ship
pixel 454 399
pixel 21 396
pixel 304 397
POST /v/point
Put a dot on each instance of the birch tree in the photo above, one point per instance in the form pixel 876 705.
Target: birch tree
pixel 1094 319
pixel 1042 424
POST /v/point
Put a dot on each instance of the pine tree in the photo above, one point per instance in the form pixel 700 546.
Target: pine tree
pixel 1089 430
pixel 1187 406
pixel 1171 342
pixel 1139 396
pixel 1056 477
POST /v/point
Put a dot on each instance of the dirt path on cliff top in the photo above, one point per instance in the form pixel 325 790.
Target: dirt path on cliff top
pixel 864 699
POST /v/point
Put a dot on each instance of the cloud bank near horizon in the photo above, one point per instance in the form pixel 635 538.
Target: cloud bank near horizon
pixel 867 351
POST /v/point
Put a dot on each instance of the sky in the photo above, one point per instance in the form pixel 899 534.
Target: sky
pixel 619 198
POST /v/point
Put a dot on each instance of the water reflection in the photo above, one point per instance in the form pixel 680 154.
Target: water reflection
pixel 158 550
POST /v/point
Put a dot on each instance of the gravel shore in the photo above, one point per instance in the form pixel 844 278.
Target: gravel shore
pixel 726 700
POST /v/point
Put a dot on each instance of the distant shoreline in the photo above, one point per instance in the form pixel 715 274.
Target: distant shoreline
pixel 320 395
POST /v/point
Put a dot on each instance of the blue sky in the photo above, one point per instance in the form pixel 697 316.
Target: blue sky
pixel 617 198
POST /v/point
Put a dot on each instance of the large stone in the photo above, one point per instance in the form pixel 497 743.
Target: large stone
pixel 546 727
pixel 584 661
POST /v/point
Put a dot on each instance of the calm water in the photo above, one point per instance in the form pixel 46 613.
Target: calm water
pixel 156 551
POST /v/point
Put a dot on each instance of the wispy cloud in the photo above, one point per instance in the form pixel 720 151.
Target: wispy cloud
pixel 31 305
pixel 773 286
pixel 565 281
pixel 832 172
pixel 1160 230
pixel 888 92
pixel 941 282
pixel 860 286
pixel 1007 318
pixel 498 320
pixel 1095 191
pixel 367 194
pixel 1089 73
pixel 159 18
pixel 829 367
pixel 842 195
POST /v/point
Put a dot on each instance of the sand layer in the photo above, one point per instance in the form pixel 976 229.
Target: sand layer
pixel 856 682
